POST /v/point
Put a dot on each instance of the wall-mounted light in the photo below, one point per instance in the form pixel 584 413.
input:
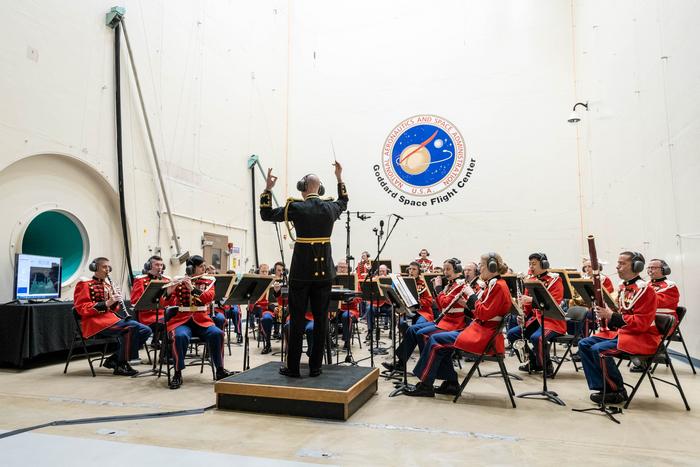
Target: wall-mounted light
pixel 575 117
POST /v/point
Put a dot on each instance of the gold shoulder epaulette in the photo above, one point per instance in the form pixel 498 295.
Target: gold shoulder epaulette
pixel 293 200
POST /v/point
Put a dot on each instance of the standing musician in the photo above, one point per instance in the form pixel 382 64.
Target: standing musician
pixel 488 308
pixel 152 270
pixel 191 296
pixel 97 303
pixel 630 330
pixel 312 270
pixel 349 312
pixel 364 266
pixel 454 320
pixel 426 265
pixel 539 265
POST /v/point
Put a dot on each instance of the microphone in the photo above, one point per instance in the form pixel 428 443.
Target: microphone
pixel 381 227
pixel 399 217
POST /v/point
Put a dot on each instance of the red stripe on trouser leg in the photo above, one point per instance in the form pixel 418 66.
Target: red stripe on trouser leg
pixel 174 349
pixel 430 361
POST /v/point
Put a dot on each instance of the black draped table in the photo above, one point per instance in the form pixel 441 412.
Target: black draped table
pixel 27 331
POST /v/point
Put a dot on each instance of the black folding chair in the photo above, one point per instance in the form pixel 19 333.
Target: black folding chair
pixel 195 342
pixel 677 336
pixel 575 314
pixel 665 325
pixel 79 339
pixel 488 355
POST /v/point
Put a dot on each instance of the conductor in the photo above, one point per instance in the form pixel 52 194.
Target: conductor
pixel 312 269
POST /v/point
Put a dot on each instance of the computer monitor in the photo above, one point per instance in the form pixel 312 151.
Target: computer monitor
pixel 37 277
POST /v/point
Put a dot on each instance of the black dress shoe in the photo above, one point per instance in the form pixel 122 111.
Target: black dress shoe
pixel 267 349
pixel 420 390
pixel 110 362
pixel 527 368
pixel 637 369
pixel 176 380
pixel 314 372
pixel 239 339
pixel 617 397
pixel 124 369
pixel 390 366
pixel 448 387
pixel 222 373
pixel 284 371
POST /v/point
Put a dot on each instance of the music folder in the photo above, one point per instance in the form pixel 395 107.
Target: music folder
pixel 150 300
pixel 370 290
pixel 543 301
pixel 396 300
pixel 428 277
pixel 512 282
pixel 584 287
pixel 249 288
pixel 222 286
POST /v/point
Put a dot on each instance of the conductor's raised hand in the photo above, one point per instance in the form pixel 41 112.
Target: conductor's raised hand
pixel 271 180
pixel 338 171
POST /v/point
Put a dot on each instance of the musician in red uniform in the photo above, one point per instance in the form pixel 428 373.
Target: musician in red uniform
pixel 630 330
pixel 97 302
pixel 349 311
pixel 364 265
pixel 539 265
pixel 587 271
pixel 454 319
pixel 192 296
pixel 266 308
pixel 152 270
pixel 488 309
pixel 380 308
pixel 426 265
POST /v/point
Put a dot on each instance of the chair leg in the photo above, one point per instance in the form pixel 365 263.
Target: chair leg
pixel 653 386
pixel 678 383
pixel 467 378
pixel 506 380
pixel 92 369
pixel 70 354
pixel 636 386
pixel 561 361
pixel 687 354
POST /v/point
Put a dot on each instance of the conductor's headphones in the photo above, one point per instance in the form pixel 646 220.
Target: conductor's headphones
pixel 93 265
pixel 303 184
pixel 637 261
pixel 665 268
pixel 492 263
pixel 148 265
pixel 456 265
pixel 542 258
pixel 192 263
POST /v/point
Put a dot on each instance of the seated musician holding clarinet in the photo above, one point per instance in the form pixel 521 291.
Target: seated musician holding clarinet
pixel 487 309
pixel 192 295
pixel 450 304
pixel 97 301
pixel 630 330
pixel 539 269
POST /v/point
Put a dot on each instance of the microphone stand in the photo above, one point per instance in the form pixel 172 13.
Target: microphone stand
pixel 283 286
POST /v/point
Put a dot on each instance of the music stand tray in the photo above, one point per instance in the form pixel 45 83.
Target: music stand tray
pixel 512 282
pixel 428 277
pixel 250 287
pixel 348 281
pixel 150 299
pixel 371 290
pixel 584 287
pixel 564 276
pixel 222 286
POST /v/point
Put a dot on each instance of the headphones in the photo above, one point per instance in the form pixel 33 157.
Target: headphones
pixel 492 263
pixel 302 185
pixel 456 265
pixel 192 263
pixel 93 265
pixel 542 258
pixel 638 262
pixel 665 268
pixel 147 266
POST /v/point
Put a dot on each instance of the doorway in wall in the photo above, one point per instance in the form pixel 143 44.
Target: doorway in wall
pixel 215 250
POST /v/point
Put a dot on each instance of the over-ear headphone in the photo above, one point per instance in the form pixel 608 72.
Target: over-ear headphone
pixel 637 262
pixel 303 184
pixel 542 258
pixel 665 268
pixel 456 265
pixel 93 264
pixel 192 263
pixel 147 266
pixel 492 263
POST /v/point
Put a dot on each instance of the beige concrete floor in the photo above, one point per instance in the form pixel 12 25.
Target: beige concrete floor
pixel 481 429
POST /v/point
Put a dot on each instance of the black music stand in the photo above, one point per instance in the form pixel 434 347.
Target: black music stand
pixel 566 279
pixel 385 262
pixel 403 268
pixel 543 301
pixel 396 304
pixel 248 289
pixel 428 277
pixel 150 300
pixel 372 292
pixel 222 286
pixel 347 282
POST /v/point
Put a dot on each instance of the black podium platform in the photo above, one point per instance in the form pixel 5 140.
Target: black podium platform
pixel 337 394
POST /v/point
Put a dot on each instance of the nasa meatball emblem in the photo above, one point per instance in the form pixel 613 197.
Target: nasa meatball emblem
pixel 424 162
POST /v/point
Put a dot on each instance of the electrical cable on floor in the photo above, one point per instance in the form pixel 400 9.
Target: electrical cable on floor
pixel 116 418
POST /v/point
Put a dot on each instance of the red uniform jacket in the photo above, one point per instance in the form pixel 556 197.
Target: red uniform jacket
pixel 362 269
pixel 667 296
pixel 426 265
pixel 455 319
pixel 192 305
pixel 146 317
pixel 425 300
pixel 89 299
pixel 607 284
pixel 555 286
pixel 637 305
pixel 489 310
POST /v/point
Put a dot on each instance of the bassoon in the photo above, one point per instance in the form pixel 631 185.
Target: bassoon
pixel 595 275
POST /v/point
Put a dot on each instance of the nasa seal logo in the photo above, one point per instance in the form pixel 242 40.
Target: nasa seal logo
pixel 423 155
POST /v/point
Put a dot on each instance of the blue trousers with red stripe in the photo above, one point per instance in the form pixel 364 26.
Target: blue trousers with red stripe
pixel 589 350
pixel 130 334
pixel 436 358
pixel 348 321
pixel 415 336
pixel 234 314
pixel 212 335
pixel 219 320
pixel 266 322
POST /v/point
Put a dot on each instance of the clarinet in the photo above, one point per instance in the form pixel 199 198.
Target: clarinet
pixel 121 300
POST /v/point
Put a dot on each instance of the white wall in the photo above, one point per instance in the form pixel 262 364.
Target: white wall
pixel 637 64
